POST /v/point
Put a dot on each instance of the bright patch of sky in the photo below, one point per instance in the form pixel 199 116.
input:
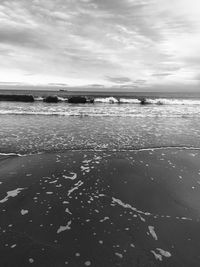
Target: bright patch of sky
pixel 133 44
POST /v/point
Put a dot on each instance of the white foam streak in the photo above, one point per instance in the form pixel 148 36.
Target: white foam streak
pixel 164 253
pixel 20 155
pixel 151 228
pixel 156 255
pixel 73 177
pixel 64 228
pixel 24 212
pixel 128 206
pixel 12 193
pixel 152 232
pixel 12 154
pixel 160 254
pixel 76 187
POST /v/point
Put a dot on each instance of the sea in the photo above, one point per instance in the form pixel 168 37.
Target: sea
pixel 114 122
pixel 107 183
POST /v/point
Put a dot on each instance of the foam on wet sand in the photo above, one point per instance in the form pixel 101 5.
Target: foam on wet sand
pixel 113 215
pixel 64 228
pixel 152 232
pixel 12 193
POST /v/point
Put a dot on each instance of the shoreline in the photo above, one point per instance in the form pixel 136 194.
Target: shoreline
pixel 94 150
pixel 103 208
pixel 95 93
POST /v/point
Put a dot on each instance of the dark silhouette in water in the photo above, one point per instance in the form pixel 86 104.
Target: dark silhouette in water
pixel 21 98
pixel 51 99
pixel 77 100
pixel 143 101
pixel 90 100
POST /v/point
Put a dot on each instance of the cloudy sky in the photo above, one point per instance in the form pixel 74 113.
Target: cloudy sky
pixel 132 44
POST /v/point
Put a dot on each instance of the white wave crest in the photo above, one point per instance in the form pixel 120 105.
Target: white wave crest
pixel 38 98
pixel 62 99
pixel 167 101
pixel 110 100
pixel 129 101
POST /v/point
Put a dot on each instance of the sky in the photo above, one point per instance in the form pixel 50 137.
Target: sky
pixel 119 44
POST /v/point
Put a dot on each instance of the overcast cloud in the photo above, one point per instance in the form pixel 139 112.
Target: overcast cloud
pixel 101 42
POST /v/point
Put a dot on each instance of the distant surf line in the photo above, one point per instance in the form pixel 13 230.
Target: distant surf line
pixel 89 113
pixel 134 100
pixel 101 150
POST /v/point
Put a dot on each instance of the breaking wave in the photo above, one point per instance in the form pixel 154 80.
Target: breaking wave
pixel 154 101
pixel 107 107
pixel 124 100
pixel 166 101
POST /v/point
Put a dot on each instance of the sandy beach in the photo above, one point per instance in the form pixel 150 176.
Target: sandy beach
pixel 134 208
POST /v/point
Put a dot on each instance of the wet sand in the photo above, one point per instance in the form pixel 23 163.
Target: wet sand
pixel 134 208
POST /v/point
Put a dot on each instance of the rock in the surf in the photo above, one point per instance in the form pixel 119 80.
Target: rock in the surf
pixel 143 101
pixel 20 98
pixel 77 100
pixel 90 100
pixel 51 99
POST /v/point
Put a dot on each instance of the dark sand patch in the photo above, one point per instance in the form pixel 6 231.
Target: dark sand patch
pixel 100 209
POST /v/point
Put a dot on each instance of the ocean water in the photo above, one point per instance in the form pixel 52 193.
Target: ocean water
pixel 105 125
pixel 96 206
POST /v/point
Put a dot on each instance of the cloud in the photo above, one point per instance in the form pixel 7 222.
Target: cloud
pixel 21 37
pixel 161 74
pixel 120 80
pixel 111 43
